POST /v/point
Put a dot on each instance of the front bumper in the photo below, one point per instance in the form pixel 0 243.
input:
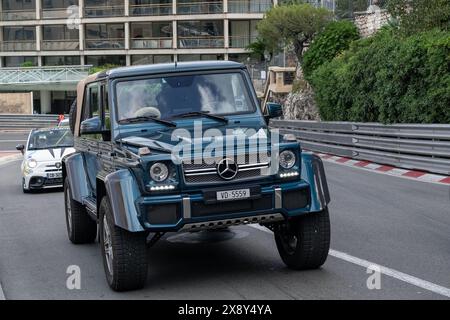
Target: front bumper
pixel 39 180
pixel 134 211
pixel 192 212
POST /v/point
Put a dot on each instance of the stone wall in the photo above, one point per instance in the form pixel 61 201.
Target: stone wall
pixel 371 21
pixel 17 103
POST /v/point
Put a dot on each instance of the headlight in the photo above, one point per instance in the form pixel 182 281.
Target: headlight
pixel 159 172
pixel 287 159
pixel 31 163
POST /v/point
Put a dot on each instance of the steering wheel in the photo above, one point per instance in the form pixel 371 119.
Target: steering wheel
pixel 148 112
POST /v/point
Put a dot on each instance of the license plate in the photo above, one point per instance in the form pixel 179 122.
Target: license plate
pixel 233 194
pixel 54 175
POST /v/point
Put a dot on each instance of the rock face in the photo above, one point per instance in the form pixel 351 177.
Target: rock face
pixel 300 105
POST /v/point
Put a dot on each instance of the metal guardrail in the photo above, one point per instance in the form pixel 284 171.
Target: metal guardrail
pixel 27 122
pixel 411 146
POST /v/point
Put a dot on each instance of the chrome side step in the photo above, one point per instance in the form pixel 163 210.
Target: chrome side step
pixel 264 218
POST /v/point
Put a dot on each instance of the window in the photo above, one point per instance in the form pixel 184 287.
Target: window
pixel 150 59
pixel 218 93
pixel 61 60
pixel 91 105
pixel 50 138
pixel 18 61
pixel 105 60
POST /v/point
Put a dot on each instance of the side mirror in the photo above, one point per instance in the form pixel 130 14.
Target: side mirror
pixel 274 110
pixel 91 126
pixel 21 148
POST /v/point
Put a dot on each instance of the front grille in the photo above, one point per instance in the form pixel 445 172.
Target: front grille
pixel 251 167
pixel 200 209
pixel 53 182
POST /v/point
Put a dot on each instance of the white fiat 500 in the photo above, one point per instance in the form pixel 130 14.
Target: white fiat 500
pixel 41 166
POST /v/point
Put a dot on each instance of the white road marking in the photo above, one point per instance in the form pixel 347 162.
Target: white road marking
pixel 373 166
pixel 431 177
pixel 13 140
pixel 2 294
pixel 384 270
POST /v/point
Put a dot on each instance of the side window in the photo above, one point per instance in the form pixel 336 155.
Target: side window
pixel 91 108
pixel 91 102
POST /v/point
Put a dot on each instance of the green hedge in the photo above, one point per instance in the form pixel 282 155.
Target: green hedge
pixel 335 38
pixel 387 78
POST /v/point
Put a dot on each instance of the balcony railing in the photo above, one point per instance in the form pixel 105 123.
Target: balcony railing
pixel 249 6
pixel 21 45
pixel 104 11
pixel 13 15
pixel 240 41
pixel 43 75
pixel 200 7
pixel 151 43
pixel 151 9
pixel 55 13
pixel 201 42
pixel 102 44
pixel 65 44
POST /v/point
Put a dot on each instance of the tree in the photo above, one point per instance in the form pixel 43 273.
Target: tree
pixel 294 24
pixel 420 15
pixel 336 37
pixel 27 64
pixel 257 49
pixel 102 68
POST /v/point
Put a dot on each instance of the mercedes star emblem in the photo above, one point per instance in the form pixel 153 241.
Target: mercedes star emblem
pixel 227 169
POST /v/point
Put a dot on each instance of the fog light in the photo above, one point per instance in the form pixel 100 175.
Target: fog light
pixel 289 174
pixel 162 188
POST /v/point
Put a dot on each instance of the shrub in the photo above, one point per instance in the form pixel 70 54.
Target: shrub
pixel 335 38
pixel 388 78
pixel 420 15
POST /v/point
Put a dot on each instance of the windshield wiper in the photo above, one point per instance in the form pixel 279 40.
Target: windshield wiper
pixel 200 113
pixel 144 118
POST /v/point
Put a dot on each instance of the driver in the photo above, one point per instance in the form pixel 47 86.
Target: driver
pixel 137 101
pixel 41 141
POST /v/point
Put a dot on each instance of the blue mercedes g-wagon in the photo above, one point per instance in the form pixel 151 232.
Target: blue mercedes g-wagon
pixel 186 148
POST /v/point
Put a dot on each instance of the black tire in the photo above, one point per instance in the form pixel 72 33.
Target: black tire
pixel 304 242
pixel 72 115
pixel 80 227
pixel 127 269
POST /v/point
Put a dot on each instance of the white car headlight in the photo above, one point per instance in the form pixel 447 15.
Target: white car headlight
pixel 31 163
pixel 159 172
pixel 287 159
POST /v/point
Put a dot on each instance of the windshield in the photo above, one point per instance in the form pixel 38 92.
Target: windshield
pixel 163 98
pixel 51 138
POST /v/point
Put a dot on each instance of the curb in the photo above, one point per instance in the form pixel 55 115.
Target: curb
pixel 385 169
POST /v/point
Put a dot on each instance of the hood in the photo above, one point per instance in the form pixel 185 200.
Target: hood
pixel 51 154
pixel 166 140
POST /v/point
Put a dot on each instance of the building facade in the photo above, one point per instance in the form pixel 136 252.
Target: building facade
pixel 44 33
pixel 125 32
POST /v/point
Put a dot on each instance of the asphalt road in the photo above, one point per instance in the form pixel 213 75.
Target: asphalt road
pixel 397 223
pixel 9 140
